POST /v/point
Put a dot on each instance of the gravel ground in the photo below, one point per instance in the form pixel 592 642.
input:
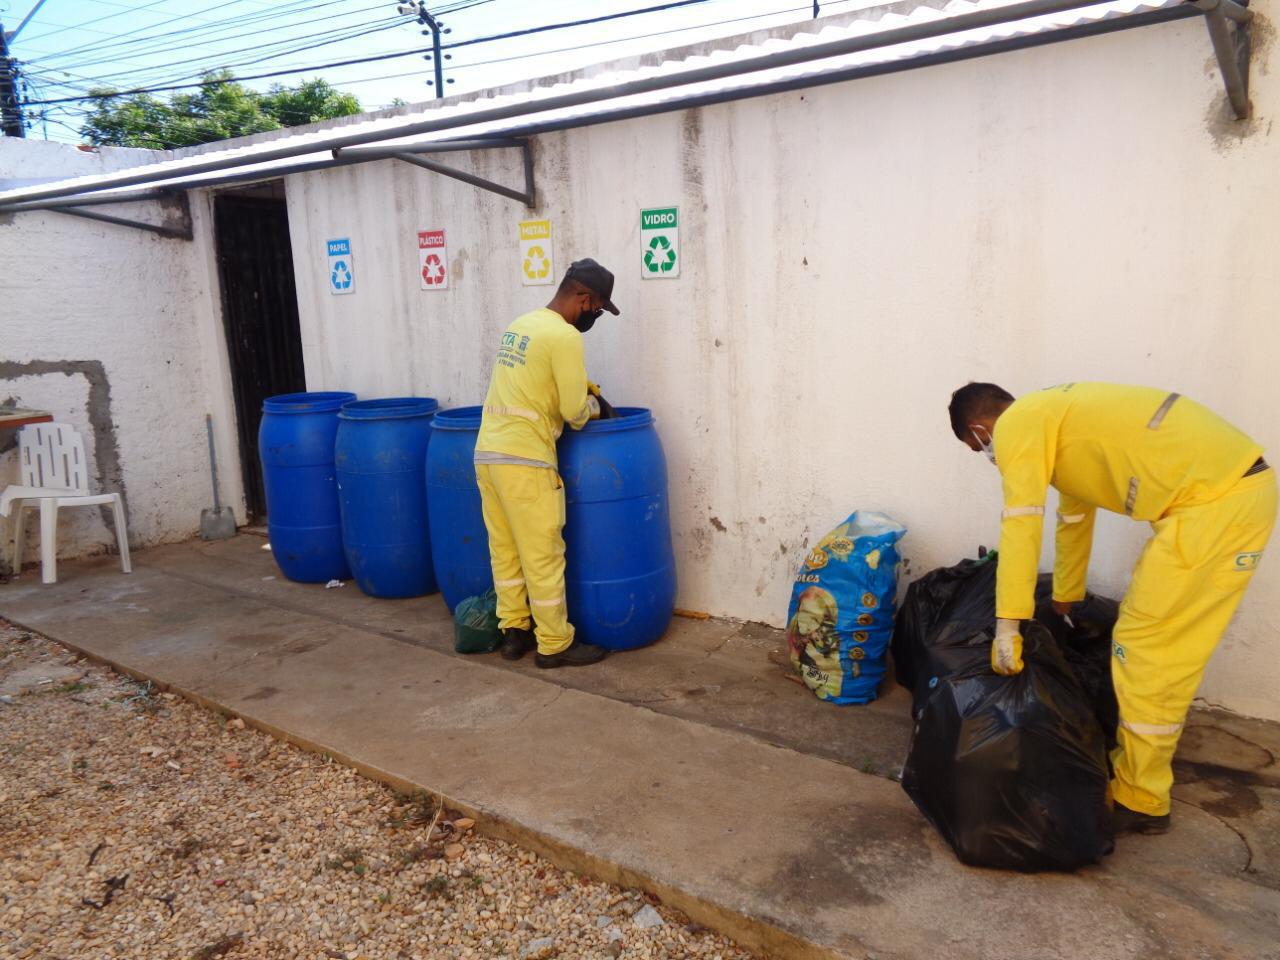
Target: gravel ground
pixel 138 825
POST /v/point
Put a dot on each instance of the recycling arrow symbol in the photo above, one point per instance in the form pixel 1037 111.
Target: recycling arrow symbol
pixel 432 269
pixel 655 260
pixel 341 276
pixel 536 264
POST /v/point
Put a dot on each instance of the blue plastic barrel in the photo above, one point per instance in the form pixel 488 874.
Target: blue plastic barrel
pixel 620 576
pixel 381 456
pixel 459 541
pixel 295 444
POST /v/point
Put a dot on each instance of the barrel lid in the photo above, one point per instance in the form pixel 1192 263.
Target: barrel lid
pixel 628 418
pixel 459 418
pixel 322 401
pixel 388 408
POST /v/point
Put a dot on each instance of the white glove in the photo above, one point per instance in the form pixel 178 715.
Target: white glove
pixel 593 405
pixel 1006 651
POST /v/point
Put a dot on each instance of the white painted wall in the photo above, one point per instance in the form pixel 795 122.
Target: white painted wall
pixel 146 308
pixel 852 254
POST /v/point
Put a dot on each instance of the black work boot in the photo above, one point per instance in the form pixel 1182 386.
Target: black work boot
pixel 1124 820
pixel 516 642
pixel 575 655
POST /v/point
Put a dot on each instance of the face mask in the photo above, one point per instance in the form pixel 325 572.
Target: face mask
pixel 587 319
pixel 985 445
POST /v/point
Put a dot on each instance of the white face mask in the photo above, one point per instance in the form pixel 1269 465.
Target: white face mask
pixel 986 445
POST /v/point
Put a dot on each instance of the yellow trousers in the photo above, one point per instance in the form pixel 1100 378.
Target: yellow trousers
pixel 524 515
pixel 1189 580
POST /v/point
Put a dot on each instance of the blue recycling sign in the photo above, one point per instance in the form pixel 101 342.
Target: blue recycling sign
pixel 341 267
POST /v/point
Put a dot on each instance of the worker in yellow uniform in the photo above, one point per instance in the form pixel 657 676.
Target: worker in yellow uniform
pixel 1153 456
pixel 539 384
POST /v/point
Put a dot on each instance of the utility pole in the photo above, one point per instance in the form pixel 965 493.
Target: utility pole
pixel 11 124
pixel 435 28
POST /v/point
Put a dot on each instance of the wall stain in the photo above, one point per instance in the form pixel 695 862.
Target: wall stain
pixel 691 147
pixel 715 522
pixel 1220 122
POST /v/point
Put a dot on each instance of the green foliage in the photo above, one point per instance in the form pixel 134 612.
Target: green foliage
pixel 218 110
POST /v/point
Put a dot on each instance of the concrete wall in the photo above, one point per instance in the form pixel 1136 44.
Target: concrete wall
pixel 117 332
pixel 852 253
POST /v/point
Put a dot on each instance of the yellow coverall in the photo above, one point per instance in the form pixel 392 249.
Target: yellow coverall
pixel 1153 456
pixel 539 384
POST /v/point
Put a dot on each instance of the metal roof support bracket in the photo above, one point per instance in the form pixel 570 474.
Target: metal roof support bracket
pixel 1231 45
pixel 527 197
pixel 182 231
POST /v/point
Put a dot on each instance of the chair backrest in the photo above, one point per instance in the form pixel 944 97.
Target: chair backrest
pixel 52 455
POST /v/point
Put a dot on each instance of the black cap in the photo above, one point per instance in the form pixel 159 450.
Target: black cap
pixel 595 278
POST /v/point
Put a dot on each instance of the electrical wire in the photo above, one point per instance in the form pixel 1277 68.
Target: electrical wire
pixel 596 43
pixel 332 35
pixel 110 16
pixel 204 32
pixel 167 88
pixel 404 53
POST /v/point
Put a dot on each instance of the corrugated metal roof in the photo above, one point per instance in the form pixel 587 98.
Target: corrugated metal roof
pixel 315 147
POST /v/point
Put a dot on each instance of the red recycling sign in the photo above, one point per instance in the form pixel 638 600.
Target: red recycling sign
pixel 433 260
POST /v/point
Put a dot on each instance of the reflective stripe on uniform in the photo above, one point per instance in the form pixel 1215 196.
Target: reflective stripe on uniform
pixel 1022 512
pixel 1152 729
pixel 1132 499
pixel 509 583
pixel 1070 517
pixel 512 412
pixel 548 603
pixel 1158 419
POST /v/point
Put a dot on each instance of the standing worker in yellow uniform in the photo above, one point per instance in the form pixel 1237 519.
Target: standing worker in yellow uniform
pixel 1154 456
pixel 539 384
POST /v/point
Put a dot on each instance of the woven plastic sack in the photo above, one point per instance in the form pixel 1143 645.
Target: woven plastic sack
pixel 842 606
pixel 475 624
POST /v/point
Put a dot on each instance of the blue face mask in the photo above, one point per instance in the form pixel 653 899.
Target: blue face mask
pixel 986 445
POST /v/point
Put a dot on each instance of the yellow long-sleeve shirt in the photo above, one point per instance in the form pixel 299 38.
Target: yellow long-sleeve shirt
pixel 539 384
pixel 1132 450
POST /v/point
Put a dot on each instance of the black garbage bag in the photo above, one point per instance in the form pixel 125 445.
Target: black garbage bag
pixel 1086 643
pixel 933 631
pixel 1012 771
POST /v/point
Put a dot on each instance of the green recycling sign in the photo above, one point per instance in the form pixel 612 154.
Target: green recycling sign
pixel 659 243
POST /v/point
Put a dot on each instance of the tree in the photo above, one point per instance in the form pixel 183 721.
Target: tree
pixel 308 102
pixel 219 110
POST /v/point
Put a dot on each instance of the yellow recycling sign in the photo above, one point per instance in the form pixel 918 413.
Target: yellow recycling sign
pixel 660 243
pixel 536 266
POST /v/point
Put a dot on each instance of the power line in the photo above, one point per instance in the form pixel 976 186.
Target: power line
pixel 110 16
pixel 404 53
pixel 289 9
pixel 372 59
pixel 596 43
pixel 333 35
pixel 576 23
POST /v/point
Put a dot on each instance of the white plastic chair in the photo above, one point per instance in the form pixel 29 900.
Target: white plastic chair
pixel 54 475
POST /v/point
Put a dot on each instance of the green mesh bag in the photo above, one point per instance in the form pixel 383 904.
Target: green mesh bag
pixel 475 624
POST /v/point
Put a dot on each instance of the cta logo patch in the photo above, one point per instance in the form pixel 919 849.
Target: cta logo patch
pixel 1247 561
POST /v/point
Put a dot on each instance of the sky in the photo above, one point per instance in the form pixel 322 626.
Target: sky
pixel 70 46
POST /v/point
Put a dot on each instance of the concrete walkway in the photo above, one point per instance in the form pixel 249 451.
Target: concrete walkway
pixel 695 768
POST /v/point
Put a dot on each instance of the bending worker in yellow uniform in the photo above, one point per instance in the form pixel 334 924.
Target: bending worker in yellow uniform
pixel 1153 456
pixel 539 384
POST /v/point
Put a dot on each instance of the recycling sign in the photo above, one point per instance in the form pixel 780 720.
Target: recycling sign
pixel 536 266
pixel 659 243
pixel 433 260
pixel 341 270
